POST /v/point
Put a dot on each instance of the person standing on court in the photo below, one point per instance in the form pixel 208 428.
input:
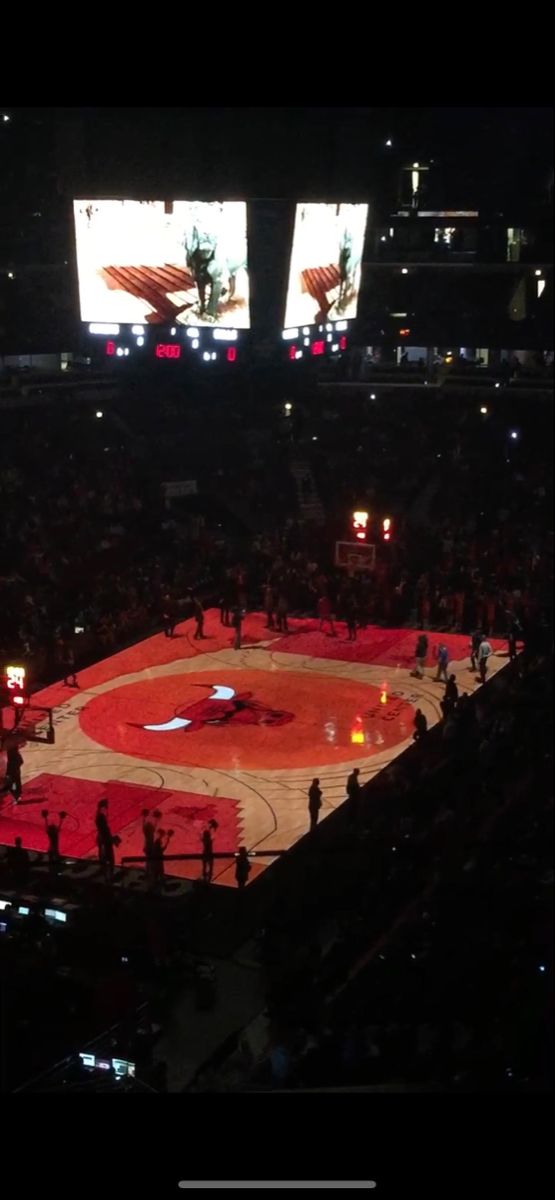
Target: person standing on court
pixel 442 663
pixel 150 823
pixel 314 803
pixel 242 868
pixel 514 632
pixel 269 606
pixel 420 725
pixel 161 843
pixel 237 621
pixel 420 656
pixel 475 640
pixel 208 851
pixel 198 613
pixel 351 615
pixel 104 840
pixel 354 793
pixel 14 763
pixel 325 614
pixel 483 655
pixel 53 834
pixel 168 615
pixel 451 696
pixel 67 662
pixel 226 599
pixel 281 613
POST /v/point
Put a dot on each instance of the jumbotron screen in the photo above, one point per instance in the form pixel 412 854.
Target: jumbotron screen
pixel 326 254
pixel 173 262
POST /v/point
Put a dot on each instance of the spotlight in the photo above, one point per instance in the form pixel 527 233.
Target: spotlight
pixel 535 272
pixel 484 410
pixel 498 385
pixel 404 271
pixel 99 413
pixel 514 434
pixel 373 396
pixel 389 143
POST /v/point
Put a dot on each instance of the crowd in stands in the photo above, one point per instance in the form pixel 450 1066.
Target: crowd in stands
pixel 90 544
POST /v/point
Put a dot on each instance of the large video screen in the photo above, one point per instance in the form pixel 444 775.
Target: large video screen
pixel 326 255
pixel 173 262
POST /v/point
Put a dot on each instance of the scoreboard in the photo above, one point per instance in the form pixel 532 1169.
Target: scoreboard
pixel 176 344
pixel 14 686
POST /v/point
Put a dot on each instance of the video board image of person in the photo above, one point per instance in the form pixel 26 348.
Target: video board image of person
pixel 325 267
pixel 163 262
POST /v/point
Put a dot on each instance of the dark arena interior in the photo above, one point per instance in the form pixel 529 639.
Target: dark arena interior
pixel 276 602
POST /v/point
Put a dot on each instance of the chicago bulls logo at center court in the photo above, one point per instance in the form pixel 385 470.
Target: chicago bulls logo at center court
pixel 223 706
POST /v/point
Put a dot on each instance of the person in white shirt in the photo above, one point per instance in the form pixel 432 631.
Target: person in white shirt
pixel 484 652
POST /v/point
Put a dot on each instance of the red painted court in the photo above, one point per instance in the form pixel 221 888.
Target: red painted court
pixel 238 736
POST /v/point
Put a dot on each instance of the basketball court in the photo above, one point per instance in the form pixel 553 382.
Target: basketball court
pixel 199 731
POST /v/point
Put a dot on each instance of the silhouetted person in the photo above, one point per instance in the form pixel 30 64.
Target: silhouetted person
pixel 198 613
pixel 161 843
pixel 242 868
pixel 475 640
pixel 420 725
pixel 451 696
pixel 53 828
pixel 36 925
pixel 237 621
pixel 19 864
pixel 208 851
pixel 269 606
pixel 226 602
pixel 325 614
pixel 150 821
pixel 352 620
pixel 14 763
pixel 68 665
pixel 314 802
pixel 513 635
pixel 281 614
pixel 104 840
pixel 354 793
pixel 168 615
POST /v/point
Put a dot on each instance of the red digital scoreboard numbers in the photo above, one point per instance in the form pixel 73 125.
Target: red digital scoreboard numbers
pixel 167 350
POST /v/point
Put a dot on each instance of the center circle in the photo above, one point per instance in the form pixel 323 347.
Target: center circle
pixel 248 720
